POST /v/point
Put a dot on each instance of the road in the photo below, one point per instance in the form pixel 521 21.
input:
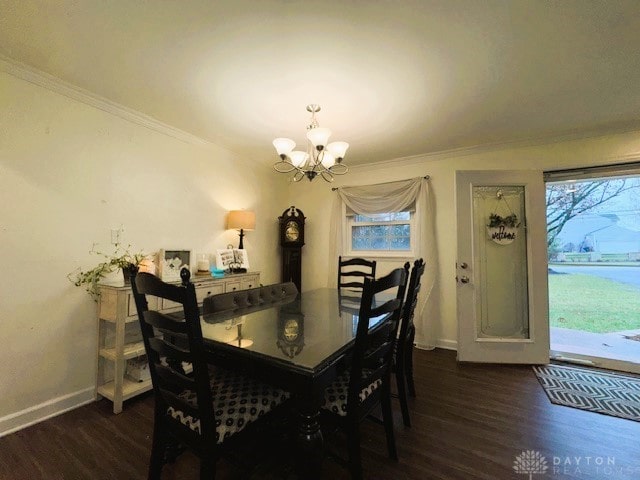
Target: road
pixel 628 275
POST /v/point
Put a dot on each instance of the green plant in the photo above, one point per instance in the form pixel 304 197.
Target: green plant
pixel 120 258
pixel 496 220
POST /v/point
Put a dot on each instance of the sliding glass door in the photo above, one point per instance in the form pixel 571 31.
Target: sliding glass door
pixel 593 225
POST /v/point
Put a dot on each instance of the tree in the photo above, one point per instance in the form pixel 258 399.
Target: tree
pixel 567 200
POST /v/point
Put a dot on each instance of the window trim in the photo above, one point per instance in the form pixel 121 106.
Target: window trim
pixel 347 223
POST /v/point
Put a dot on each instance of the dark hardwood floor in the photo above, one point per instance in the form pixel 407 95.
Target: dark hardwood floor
pixel 469 422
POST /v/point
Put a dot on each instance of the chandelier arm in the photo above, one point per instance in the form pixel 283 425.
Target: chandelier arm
pixel 327 176
pixel 284 167
pixel 339 169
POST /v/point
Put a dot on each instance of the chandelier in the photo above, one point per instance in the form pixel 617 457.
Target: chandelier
pixel 319 159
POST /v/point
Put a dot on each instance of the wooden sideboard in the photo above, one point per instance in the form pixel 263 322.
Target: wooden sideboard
pixel 120 339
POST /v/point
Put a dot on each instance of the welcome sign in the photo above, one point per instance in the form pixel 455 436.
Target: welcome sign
pixel 502 235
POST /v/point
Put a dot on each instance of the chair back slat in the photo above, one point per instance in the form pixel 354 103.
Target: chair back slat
pixel 167 349
pixel 390 306
pixel 352 272
pixel 373 374
pixel 372 357
pixel 373 350
pixel 174 379
pixel 359 274
pixel 165 322
pixel 152 285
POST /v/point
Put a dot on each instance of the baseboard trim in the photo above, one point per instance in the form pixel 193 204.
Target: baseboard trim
pixel 447 344
pixel 51 408
pixel 440 343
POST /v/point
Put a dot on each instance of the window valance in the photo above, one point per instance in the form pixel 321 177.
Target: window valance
pixel 382 197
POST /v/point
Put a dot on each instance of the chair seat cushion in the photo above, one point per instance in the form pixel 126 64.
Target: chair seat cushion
pixel 335 395
pixel 237 402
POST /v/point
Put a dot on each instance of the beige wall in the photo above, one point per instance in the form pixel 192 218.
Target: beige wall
pixel 69 173
pixel 315 200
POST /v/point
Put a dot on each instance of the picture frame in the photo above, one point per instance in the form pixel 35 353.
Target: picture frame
pixel 232 259
pixel 172 260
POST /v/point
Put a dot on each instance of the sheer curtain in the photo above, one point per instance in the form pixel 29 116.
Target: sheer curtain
pixel 394 197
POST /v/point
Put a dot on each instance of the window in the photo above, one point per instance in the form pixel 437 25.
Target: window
pixel 382 234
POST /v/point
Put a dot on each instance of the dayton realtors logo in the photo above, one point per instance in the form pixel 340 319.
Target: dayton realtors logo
pixel 530 462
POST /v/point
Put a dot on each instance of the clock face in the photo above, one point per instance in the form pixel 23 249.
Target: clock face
pixel 291 330
pixel 291 232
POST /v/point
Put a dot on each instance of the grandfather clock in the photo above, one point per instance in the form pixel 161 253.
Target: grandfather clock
pixel 291 241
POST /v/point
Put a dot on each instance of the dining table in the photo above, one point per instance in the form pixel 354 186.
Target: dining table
pixel 300 344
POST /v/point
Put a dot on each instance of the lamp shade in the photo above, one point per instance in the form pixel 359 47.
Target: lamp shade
pixel 319 136
pixel 328 160
pixel 241 219
pixel 284 145
pixel 298 158
pixel 338 149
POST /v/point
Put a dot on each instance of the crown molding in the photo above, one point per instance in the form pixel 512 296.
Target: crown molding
pixel 57 85
pixel 618 129
pixel 54 84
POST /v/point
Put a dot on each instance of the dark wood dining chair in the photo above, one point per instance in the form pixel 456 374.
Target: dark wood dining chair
pixel 352 272
pixel 206 409
pixel 403 359
pixel 365 385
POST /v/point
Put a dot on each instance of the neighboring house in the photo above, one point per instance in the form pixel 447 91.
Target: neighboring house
pixel 598 233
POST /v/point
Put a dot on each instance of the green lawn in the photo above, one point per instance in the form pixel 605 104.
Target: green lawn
pixel 593 304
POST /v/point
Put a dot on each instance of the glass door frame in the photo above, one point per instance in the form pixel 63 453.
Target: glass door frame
pixel 579 174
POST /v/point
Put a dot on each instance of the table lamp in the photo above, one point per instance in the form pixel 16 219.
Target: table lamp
pixel 241 220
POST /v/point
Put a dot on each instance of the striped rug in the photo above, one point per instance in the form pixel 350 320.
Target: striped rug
pixel 586 389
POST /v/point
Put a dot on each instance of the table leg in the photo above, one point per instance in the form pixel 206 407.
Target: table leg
pixel 309 444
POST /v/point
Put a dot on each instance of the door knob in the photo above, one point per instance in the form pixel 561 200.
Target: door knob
pixel 464 279
pixel 464 265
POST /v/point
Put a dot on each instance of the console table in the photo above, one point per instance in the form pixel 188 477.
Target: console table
pixel 120 339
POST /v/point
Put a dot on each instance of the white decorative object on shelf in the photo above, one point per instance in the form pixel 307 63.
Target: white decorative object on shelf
pixel 138 369
pixel 203 262
pixel 170 262
pixel 231 259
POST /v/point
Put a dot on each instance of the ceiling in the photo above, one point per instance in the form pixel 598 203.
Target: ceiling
pixel 394 78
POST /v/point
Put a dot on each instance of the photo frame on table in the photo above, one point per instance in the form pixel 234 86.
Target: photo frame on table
pixel 171 261
pixel 232 259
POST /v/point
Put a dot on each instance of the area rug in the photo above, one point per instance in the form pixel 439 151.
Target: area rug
pixel 586 389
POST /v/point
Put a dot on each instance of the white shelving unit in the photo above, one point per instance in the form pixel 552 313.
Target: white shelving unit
pixel 119 337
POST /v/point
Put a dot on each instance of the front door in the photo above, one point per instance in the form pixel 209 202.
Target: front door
pixel 501 270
